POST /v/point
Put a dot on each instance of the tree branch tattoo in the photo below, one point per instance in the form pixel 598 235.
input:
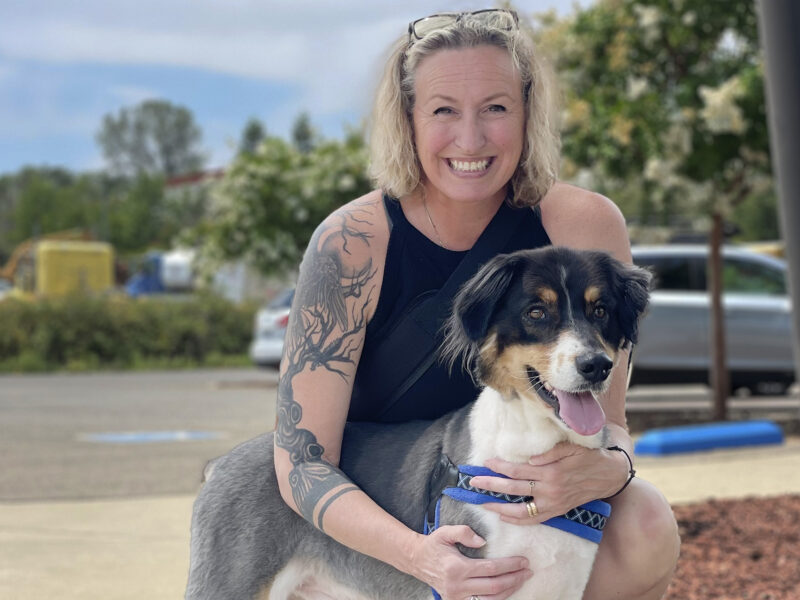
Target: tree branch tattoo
pixel 322 334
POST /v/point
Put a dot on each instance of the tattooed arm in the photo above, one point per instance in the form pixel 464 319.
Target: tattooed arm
pixel 336 293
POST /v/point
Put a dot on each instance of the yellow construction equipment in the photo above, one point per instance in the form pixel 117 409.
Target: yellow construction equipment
pixel 59 264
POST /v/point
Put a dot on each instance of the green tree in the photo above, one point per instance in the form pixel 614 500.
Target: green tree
pixel 269 203
pixel 135 219
pixel 132 214
pixel 45 201
pixel 155 137
pixel 252 135
pixel 303 135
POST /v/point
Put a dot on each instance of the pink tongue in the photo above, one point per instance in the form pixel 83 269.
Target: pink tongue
pixel 581 412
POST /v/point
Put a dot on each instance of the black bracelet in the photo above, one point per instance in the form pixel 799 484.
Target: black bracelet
pixel 631 470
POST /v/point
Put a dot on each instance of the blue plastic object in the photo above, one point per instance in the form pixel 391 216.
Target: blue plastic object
pixel 148 279
pixel 693 438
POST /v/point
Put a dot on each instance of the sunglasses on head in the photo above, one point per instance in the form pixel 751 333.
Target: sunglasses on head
pixel 498 17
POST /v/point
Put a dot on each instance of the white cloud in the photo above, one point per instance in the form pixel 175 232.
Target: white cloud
pixel 328 54
pixel 327 48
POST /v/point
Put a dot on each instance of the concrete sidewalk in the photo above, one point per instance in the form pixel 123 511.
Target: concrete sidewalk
pixel 139 548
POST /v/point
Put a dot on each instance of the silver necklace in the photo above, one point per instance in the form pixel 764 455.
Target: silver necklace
pixel 430 220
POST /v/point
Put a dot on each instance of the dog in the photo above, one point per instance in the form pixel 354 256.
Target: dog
pixel 542 330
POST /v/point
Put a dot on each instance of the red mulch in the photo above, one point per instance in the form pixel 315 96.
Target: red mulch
pixel 739 549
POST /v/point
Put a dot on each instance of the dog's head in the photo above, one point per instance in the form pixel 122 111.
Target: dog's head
pixel 547 325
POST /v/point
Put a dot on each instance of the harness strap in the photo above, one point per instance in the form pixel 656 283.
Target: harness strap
pixel 586 521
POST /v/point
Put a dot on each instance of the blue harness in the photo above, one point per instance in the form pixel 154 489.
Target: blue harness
pixel 586 521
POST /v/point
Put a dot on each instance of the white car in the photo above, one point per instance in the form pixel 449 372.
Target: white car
pixel 674 335
pixel 270 329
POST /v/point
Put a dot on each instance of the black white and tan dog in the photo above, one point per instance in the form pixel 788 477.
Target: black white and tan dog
pixel 542 330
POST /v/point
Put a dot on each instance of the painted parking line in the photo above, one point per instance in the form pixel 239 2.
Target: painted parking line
pixel 148 437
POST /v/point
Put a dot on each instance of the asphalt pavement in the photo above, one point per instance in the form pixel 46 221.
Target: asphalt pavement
pixel 100 471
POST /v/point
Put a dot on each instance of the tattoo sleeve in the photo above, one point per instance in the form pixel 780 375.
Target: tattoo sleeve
pixel 326 326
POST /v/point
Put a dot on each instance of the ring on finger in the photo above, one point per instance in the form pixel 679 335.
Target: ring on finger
pixel 474 598
pixel 532 510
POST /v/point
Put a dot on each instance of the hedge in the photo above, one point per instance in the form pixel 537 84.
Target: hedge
pixel 80 332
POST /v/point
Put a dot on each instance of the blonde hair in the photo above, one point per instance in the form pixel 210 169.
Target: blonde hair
pixel 394 164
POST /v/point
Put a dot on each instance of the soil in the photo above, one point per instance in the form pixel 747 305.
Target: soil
pixel 739 549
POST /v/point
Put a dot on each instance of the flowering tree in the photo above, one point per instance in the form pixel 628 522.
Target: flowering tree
pixel 665 113
pixel 271 200
pixel 664 103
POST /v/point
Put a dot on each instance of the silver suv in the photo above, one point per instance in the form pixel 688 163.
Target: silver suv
pixel 674 336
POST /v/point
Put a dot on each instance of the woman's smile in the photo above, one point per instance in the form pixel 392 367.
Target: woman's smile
pixel 470 166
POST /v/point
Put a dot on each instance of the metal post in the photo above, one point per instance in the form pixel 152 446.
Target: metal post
pixel 779 27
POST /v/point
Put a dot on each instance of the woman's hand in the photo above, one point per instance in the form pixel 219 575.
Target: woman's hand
pixel 437 561
pixel 564 477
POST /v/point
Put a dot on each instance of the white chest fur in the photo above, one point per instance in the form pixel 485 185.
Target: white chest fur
pixel 514 430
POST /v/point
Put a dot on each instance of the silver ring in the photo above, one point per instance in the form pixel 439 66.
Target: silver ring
pixel 474 598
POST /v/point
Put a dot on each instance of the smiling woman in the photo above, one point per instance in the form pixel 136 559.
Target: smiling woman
pixel 464 153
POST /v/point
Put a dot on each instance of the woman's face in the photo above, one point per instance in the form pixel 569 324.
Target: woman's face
pixel 469 121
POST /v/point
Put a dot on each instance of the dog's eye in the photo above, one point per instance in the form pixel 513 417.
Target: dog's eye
pixel 599 312
pixel 537 314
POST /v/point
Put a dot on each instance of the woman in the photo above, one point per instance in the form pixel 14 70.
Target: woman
pixel 462 123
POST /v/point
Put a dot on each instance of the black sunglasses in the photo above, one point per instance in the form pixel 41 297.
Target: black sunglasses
pixel 498 17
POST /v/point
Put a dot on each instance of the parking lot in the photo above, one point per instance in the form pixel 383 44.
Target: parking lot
pixel 100 471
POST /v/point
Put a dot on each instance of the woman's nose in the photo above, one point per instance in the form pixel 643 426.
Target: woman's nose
pixel 470 136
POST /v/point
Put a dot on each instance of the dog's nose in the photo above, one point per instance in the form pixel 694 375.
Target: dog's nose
pixel 594 367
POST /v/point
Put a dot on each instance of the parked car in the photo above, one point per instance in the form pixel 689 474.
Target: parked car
pixel 674 335
pixel 269 330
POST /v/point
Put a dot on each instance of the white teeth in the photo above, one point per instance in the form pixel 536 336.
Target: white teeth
pixel 469 166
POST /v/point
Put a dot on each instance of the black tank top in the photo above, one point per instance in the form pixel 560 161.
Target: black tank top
pixel 415 269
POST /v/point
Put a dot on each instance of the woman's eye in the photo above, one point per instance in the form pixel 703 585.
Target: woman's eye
pixel 444 110
pixel 599 312
pixel 497 108
pixel 537 314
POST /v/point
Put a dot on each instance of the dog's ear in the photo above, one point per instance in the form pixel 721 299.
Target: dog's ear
pixel 474 306
pixel 633 284
pixel 476 301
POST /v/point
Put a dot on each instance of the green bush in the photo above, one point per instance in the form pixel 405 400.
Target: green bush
pixel 85 333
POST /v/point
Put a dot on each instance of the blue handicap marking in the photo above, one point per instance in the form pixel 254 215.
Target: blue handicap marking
pixel 149 437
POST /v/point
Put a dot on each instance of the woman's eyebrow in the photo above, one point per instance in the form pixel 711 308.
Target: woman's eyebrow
pixel 450 99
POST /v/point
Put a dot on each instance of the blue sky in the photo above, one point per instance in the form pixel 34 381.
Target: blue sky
pixel 66 63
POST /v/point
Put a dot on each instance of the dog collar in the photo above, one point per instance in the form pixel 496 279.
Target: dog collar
pixel 447 479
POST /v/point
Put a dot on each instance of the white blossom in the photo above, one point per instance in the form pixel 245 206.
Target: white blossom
pixel 649 20
pixel 585 179
pixel 721 113
pixel 636 87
